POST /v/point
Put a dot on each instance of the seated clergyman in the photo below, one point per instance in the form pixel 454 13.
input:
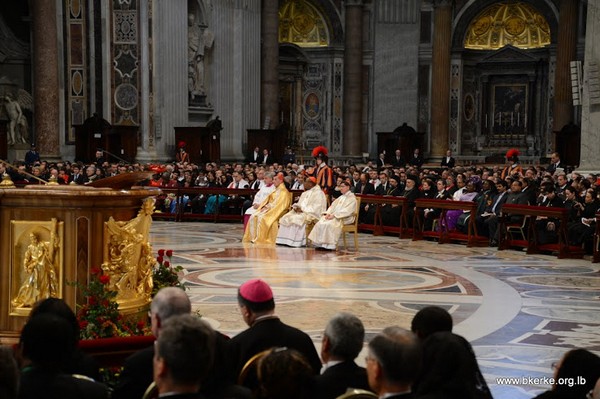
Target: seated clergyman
pixel 308 209
pixel 328 229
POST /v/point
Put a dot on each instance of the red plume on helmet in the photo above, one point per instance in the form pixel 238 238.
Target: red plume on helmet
pixel 319 152
pixel 181 144
pixel 513 152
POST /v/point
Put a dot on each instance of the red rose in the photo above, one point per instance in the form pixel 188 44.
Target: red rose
pixel 160 259
pixel 167 264
pixel 141 324
pixel 169 253
pixel 161 252
pixel 104 279
pixel 93 301
pixel 95 270
pixel 83 324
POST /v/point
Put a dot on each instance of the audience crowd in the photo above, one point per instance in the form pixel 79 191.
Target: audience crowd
pixel 269 360
pixel 489 186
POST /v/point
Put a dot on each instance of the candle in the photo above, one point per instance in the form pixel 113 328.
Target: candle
pixel 511 119
pixel 486 120
pixel 518 118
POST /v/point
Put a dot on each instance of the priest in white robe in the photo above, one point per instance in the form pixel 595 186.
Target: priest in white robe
pixel 328 229
pixel 267 188
pixel 308 209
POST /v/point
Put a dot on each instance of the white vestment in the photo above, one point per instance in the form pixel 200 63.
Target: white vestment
pixel 259 197
pixel 292 226
pixel 326 233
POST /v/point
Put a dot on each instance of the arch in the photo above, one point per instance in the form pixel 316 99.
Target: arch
pixel 517 24
pixel 473 8
pixel 302 24
pixel 329 14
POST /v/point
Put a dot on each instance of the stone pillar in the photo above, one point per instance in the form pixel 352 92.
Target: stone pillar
pixel 440 80
pixel 298 111
pixel 566 51
pixel 45 78
pixel 270 63
pixel 590 110
pixel 353 141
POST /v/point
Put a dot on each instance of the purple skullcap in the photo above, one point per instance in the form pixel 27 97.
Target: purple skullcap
pixel 256 290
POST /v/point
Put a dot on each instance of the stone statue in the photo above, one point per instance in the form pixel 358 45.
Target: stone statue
pixel 199 40
pixel 40 265
pixel 130 259
pixel 17 125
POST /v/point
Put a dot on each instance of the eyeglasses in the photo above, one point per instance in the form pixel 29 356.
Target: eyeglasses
pixel 554 365
pixel 369 358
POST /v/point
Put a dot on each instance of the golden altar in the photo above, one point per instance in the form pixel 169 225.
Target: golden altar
pixel 67 230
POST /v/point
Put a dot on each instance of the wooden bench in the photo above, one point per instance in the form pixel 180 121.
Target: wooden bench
pixel 192 192
pixel 443 235
pixel 378 227
pixel 112 352
pixel 562 247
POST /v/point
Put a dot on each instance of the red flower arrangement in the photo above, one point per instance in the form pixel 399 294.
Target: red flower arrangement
pixel 99 317
pixel 165 274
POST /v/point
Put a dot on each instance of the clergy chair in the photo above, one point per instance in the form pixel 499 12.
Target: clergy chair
pixel 353 393
pixel 249 369
pixel 352 228
pixel 151 391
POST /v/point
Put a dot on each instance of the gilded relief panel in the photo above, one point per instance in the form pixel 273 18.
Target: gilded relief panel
pixel 37 263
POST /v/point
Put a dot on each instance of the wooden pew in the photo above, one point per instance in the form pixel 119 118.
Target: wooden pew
pixel 378 227
pixel 192 192
pixel 533 212
pixel 596 258
pixel 443 235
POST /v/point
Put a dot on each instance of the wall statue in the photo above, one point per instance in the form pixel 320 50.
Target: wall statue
pixel 18 127
pixel 199 40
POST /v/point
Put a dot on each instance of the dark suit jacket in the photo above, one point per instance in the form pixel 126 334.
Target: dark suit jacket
pixel 416 161
pixel 399 162
pixel 51 384
pixel 337 379
pixel 269 333
pixel 136 375
pixel 368 188
pixel 448 163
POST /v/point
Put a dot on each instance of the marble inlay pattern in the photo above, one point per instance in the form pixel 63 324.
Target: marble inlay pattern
pixel 521 312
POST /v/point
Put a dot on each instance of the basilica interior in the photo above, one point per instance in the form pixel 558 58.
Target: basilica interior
pixel 475 77
pixel 360 77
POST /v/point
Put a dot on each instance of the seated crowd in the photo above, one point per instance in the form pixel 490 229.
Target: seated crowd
pixel 489 186
pixel 270 359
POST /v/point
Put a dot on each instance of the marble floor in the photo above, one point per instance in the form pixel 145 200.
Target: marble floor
pixel 520 312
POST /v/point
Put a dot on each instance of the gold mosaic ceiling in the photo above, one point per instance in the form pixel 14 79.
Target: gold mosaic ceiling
pixel 517 24
pixel 301 24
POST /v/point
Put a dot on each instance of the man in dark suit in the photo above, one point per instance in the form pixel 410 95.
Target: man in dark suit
pixel 77 177
pixel 184 355
pixel 255 156
pixel 381 161
pixel 266 158
pixel 416 159
pixel 342 342
pixel 137 368
pixel 393 363
pixel 448 162
pixel 257 307
pixel 47 343
pixel 398 160
pixel 555 163
pixel 515 196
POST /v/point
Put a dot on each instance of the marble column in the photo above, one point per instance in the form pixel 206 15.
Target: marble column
pixel 354 144
pixel 566 51
pixel 45 78
pixel 270 63
pixel 440 80
pixel 590 110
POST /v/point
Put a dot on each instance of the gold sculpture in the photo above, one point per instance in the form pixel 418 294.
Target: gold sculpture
pixel 41 263
pixel 128 258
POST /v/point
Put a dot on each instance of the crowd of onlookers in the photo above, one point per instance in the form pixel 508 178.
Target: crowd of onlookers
pixel 269 359
pixel 489 186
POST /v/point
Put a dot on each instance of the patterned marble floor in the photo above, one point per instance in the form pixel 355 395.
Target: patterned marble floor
pixel 520 312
